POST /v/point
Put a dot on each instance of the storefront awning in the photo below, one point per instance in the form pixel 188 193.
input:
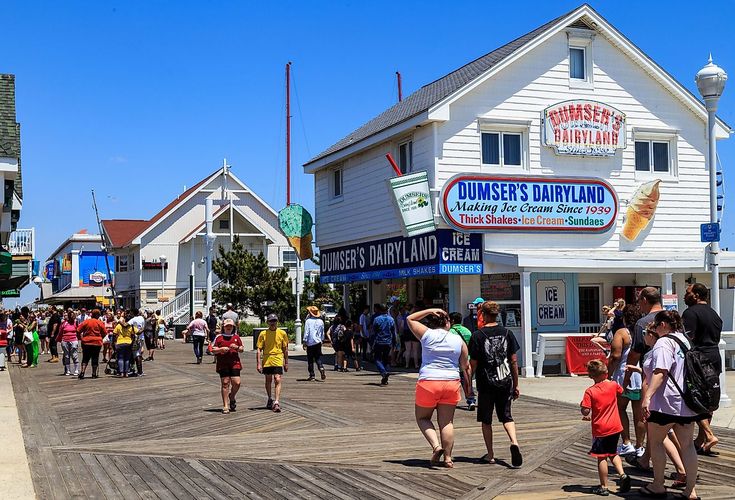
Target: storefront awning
pixel 77 294
pixel 601 261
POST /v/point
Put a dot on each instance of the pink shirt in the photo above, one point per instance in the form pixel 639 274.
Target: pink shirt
pixel 198 327
pixel 68 332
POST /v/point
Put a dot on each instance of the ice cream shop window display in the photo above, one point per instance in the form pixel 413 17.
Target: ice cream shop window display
pixel 573 161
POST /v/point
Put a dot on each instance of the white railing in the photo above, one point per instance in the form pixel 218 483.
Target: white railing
pixel 179 305
pixel 179 302
pixel 589 328
pixel 21 242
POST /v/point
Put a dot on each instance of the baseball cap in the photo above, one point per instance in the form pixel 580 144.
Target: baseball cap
pixel 272 317
pixel 478 300
pixel 228 322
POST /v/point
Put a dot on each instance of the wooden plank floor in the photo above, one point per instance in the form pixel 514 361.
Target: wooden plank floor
pixel 162 436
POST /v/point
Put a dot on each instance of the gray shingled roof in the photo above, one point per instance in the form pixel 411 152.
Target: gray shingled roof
pixel 9 127
pixel 430 94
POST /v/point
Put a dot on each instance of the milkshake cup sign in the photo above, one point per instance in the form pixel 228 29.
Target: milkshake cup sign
pixel 295 223
pixel 413 201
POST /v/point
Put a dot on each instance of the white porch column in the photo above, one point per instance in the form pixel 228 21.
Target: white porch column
pixel 526 339
pixel 667 283
pixel 75 268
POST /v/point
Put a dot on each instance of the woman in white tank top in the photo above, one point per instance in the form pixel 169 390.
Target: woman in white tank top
pixel 443 355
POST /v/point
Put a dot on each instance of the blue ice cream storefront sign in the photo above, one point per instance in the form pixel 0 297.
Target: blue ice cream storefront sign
pixel 443 251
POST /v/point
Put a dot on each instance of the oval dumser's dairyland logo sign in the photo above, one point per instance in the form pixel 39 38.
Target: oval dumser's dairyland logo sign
pixel 583 128
pixel 484 203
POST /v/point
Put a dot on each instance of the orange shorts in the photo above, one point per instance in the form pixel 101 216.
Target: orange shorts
pixel 430 393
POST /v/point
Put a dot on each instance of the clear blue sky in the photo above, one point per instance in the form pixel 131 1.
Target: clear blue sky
pixel 138 99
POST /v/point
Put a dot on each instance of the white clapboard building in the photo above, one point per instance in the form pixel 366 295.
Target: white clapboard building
pixel 572 116
pixel 177 233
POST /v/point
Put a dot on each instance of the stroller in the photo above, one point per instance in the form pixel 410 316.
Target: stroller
pixel 111 368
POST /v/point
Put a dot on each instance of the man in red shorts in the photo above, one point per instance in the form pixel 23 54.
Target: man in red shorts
pixel 227 346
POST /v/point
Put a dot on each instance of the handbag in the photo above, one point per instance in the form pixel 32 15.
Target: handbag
pixel 27 337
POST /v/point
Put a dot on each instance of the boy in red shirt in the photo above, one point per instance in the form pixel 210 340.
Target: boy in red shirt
pixel 227 346
pixel 600 405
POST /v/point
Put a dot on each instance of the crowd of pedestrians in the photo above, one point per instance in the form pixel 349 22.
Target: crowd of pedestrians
pixel 645 368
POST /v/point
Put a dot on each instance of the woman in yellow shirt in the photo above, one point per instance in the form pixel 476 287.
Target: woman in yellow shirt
pixel 124 333
pixel 272 359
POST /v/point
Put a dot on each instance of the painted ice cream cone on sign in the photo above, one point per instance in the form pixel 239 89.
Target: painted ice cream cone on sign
pixel 302 244
pixel 641 209
pixel 295 223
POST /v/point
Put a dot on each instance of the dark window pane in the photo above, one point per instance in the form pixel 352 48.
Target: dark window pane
pixel 405 151
pixel 576 64
pixel 660 156
pixel 642 161
pixel 491 149
pixel 511 149
pixel 589 304
pixel 337 183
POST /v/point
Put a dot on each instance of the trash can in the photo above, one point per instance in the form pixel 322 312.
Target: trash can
pixel 178 329
pixel 256 334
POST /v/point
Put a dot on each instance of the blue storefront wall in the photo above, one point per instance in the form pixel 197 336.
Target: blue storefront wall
pixel 571 283
pixel 92 262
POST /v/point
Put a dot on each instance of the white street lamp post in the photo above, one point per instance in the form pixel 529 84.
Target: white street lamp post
pixel 162 258
pixel 711 83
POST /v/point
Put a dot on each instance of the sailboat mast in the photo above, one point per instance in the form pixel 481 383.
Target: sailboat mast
pixel 288 133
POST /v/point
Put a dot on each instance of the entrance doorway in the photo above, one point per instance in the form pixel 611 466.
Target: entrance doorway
pixel 590 308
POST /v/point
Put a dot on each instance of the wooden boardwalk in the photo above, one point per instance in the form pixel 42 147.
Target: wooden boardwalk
pixel 162 436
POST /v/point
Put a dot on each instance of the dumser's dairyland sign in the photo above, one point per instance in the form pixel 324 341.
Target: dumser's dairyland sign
pixel 584 128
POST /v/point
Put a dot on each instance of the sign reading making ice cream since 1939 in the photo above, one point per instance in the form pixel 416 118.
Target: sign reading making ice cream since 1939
pixel 483 203
pixel 584 128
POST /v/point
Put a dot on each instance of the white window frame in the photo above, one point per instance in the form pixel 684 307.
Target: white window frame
pixel 334 194
pixel 657 135
pixel 501 126
pixel 291 264
pixel 119 268
pixel 408 142
pixel 581 39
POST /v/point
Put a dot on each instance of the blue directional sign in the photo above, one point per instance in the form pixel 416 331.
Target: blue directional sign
pixel 710 232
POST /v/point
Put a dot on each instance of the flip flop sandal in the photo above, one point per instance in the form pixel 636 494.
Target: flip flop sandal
pixel 516 459
pixel 485 460
pixel 225 411
pixel 448 464
pixel 645 492
pixel 707 453
pixel 436 456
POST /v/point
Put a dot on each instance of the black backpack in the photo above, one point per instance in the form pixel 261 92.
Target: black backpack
pixel 701 380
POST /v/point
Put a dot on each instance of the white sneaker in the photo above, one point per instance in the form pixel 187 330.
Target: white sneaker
pixel 76 373
pixel 626 449
pixel 640 451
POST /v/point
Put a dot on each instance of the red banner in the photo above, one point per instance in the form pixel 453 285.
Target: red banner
pixel 581 350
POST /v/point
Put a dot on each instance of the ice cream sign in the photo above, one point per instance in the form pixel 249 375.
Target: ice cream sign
pixel 583 128
pixel 485 203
